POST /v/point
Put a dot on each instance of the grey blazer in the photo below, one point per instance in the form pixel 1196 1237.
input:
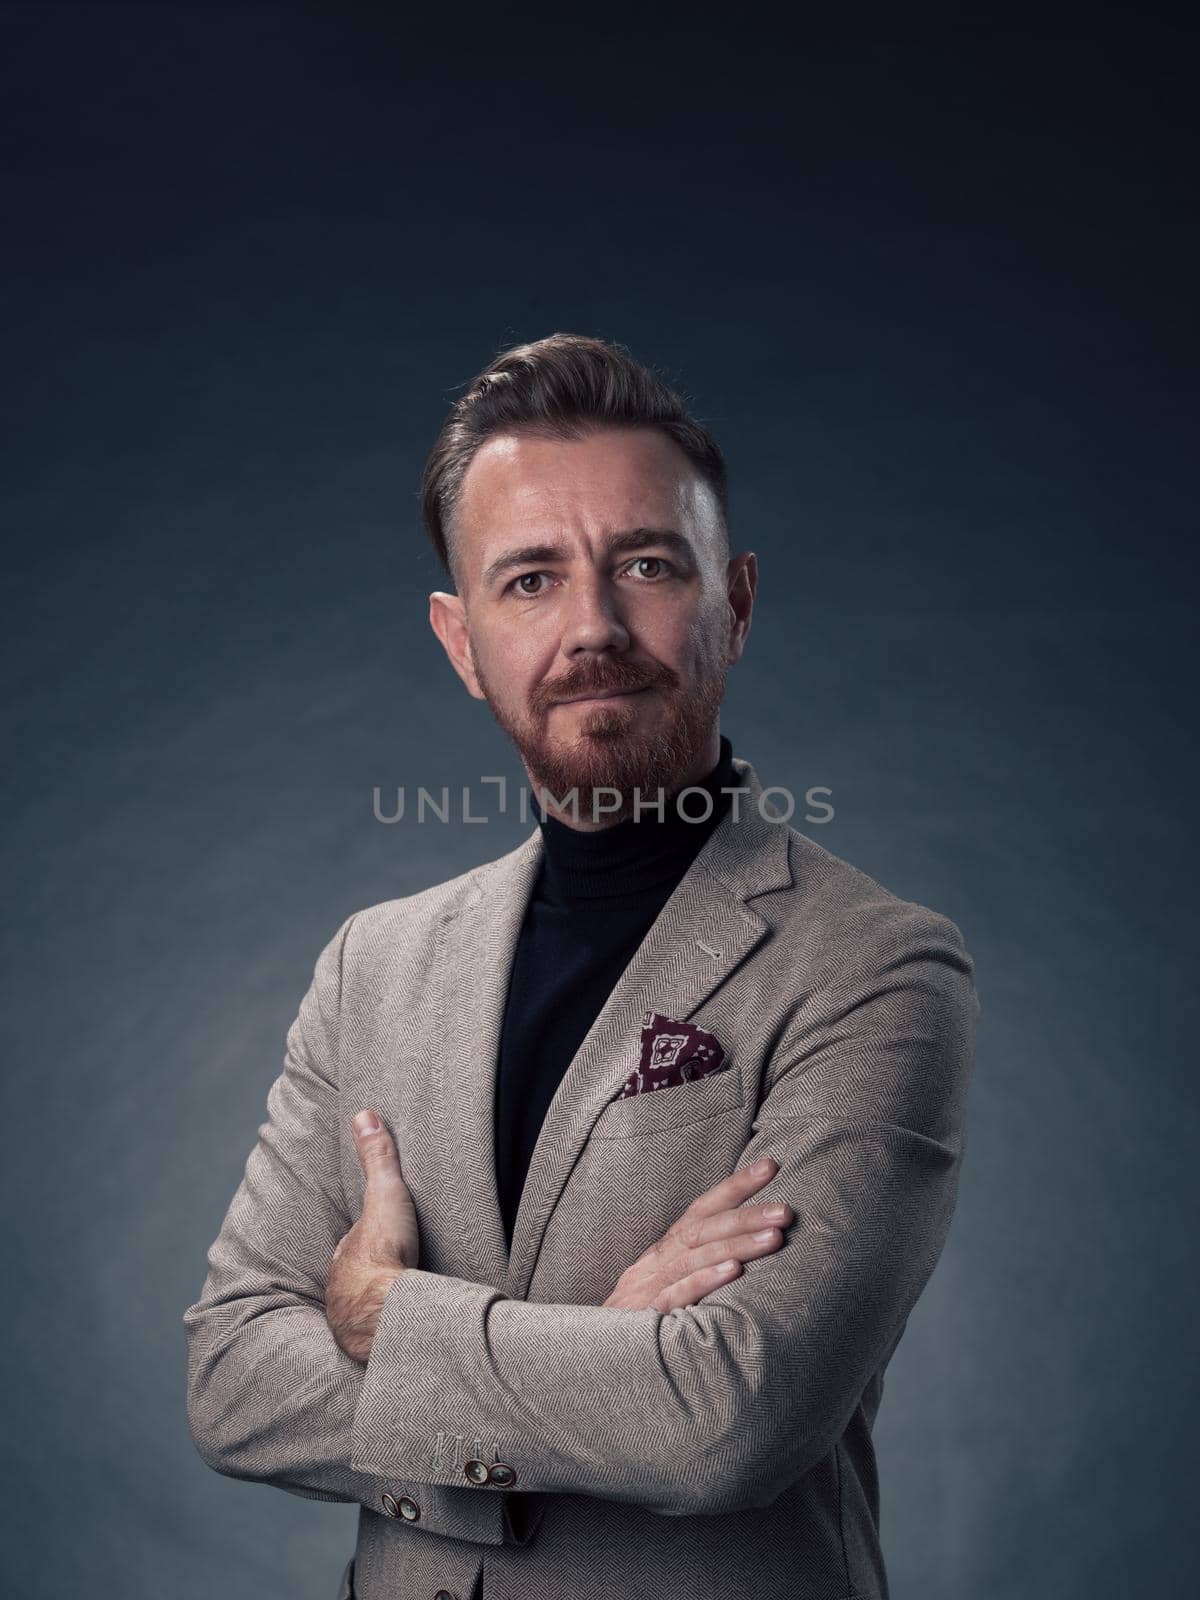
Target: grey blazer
pixel 720 1450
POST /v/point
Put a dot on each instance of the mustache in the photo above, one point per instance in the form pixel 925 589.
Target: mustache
pixel 592 680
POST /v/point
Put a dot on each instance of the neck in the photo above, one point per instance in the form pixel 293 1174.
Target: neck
pixel 633 857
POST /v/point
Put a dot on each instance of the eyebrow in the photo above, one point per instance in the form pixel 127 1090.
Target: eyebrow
pixel 615 544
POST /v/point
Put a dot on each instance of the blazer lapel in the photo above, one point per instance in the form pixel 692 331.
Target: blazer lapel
pixel 480 943
pixel 705 930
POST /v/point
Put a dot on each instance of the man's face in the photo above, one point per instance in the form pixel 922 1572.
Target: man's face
pixel 597 613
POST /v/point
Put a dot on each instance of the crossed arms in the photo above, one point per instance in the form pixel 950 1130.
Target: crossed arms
pixel 710 1408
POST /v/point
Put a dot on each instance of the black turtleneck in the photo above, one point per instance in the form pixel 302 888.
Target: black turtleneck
pixel 596 896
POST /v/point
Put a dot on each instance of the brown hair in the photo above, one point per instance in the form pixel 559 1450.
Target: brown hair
pixel 562 387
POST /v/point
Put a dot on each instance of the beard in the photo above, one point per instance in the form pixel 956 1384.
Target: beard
pixel 610 751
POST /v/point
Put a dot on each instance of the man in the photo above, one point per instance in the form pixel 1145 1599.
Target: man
pixel 504 1268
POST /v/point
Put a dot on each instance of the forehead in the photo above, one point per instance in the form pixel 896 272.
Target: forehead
pixel 519 483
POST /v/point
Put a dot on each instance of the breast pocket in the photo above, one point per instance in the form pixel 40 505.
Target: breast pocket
pixel 655 1110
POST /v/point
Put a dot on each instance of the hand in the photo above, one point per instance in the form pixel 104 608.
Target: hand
pixel 378 1247
pixel 706 1247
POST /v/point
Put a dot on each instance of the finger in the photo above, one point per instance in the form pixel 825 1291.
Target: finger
pixel 740 1246
pixel 675 1256
pixel 687 1291
pixel 740 1184
pixel 725 1224
pixel 376 1152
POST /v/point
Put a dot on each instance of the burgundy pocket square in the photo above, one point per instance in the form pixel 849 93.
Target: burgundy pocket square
pixel 672 1052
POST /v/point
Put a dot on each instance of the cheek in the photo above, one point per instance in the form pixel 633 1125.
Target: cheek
pixel 683 619
pixel 691 649
pixel 512 662
pixel 667 628
pixel 709 636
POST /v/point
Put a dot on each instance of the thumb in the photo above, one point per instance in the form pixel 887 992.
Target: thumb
pixel 376 1152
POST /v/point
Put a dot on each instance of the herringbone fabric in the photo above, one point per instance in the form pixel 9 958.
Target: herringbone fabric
pixel 719 1450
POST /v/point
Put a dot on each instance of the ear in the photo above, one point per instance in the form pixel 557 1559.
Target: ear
pixel 742 581
pixel 448 619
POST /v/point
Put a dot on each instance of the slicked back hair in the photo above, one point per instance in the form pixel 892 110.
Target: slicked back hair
pixel 564 386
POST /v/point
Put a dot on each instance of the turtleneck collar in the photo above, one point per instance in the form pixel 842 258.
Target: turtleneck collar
pixel 637 856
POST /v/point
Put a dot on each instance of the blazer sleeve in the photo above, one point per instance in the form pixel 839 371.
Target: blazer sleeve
pixel 719 1406
pixel 270 1393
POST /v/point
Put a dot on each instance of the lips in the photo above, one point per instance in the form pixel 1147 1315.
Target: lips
pixel 604 694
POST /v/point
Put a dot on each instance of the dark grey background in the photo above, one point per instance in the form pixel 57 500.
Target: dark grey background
pixel 932 285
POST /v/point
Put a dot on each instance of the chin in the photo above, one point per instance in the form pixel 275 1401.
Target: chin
pixel 616 721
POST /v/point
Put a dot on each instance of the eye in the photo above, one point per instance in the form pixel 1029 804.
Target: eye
pixel 659 561
pixel 518 582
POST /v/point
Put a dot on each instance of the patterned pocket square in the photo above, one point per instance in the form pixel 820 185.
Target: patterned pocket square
pixel 672 1052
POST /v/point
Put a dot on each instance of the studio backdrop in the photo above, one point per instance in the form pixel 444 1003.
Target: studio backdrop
pixel 931 288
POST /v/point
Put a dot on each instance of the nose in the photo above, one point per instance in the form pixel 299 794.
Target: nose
pixel 593 618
